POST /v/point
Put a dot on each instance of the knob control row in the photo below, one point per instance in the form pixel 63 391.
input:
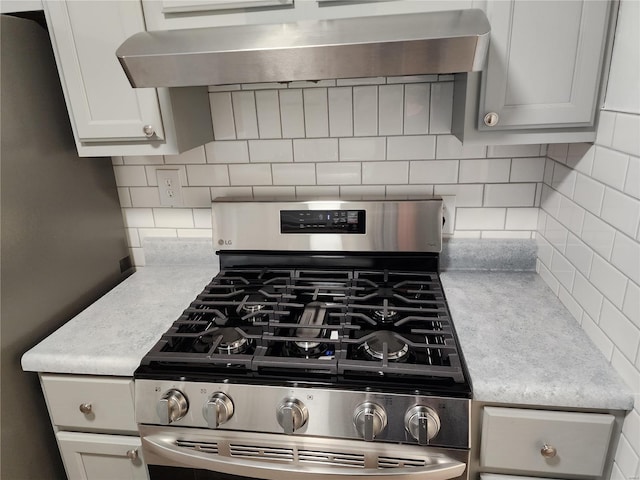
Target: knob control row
pixel 369 418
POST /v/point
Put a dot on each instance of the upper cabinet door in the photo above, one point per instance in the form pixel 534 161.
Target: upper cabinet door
pixel 544 63
pixel 179 14
pixel 105 107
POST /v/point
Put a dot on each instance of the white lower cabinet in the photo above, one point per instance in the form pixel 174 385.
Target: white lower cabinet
pixel 545 442
pixel 91 456
pixel 93 418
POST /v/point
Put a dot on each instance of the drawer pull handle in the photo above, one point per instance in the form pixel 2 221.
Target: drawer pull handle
pixel 86 408
pixel 132 454
pixel 548 451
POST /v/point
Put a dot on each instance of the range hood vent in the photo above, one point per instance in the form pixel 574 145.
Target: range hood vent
pixel 415 44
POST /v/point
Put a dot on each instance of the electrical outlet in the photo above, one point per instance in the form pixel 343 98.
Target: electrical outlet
pixel 449 213
pixel 169 187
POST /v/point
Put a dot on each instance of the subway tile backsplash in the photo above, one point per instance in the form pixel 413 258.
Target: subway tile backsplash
pixel 355 137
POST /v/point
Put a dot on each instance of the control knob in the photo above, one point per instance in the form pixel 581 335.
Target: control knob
pixel 172 406
pixel 422 423
pixel 369 419
pixel 292 414
pixel 218 409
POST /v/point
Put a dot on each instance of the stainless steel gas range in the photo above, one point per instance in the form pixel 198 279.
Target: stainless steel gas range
pixel 323 348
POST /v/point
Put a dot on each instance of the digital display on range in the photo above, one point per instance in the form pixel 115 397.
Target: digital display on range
pixel 322 221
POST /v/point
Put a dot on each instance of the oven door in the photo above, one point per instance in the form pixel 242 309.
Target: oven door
pixel 200 454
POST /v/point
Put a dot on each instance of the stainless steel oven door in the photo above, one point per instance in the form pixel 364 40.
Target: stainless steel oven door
pixel 283 457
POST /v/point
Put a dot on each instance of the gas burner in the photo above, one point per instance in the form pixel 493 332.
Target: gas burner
pixel 306 345
pixel 256 301
pixel 385 315
pixel 302 349
pixel 253 308
pixel 232 341
pixel 374 347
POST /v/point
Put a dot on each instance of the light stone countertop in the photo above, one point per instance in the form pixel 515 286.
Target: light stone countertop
pixel 521 345
pixel 112 335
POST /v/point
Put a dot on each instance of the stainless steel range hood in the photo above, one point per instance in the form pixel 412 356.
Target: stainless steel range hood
pixel 415 44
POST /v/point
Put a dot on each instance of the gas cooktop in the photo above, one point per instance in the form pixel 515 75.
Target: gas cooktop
pixel 340 326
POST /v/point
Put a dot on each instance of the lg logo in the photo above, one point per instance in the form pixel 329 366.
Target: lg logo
pixel 224 242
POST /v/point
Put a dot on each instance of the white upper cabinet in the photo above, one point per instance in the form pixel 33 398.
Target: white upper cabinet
pixel 544 63
pixel 176 14
pixel 108 116
pixel 545 74
pixel 104 105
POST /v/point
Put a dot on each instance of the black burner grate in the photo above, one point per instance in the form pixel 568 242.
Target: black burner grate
pixel 305 323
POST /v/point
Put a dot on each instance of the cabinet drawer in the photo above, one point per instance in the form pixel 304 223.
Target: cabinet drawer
pixel 110 399
pixel 513 439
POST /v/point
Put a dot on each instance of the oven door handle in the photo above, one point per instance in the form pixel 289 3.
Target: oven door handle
pixel 163 447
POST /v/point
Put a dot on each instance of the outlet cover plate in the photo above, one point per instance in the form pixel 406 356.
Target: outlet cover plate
pixel 169 187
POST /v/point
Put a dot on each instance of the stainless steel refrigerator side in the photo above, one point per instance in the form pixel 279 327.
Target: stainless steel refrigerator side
pixel 62 237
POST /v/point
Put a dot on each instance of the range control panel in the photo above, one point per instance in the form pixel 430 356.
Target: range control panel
pixel 328 413
pixel 323 221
